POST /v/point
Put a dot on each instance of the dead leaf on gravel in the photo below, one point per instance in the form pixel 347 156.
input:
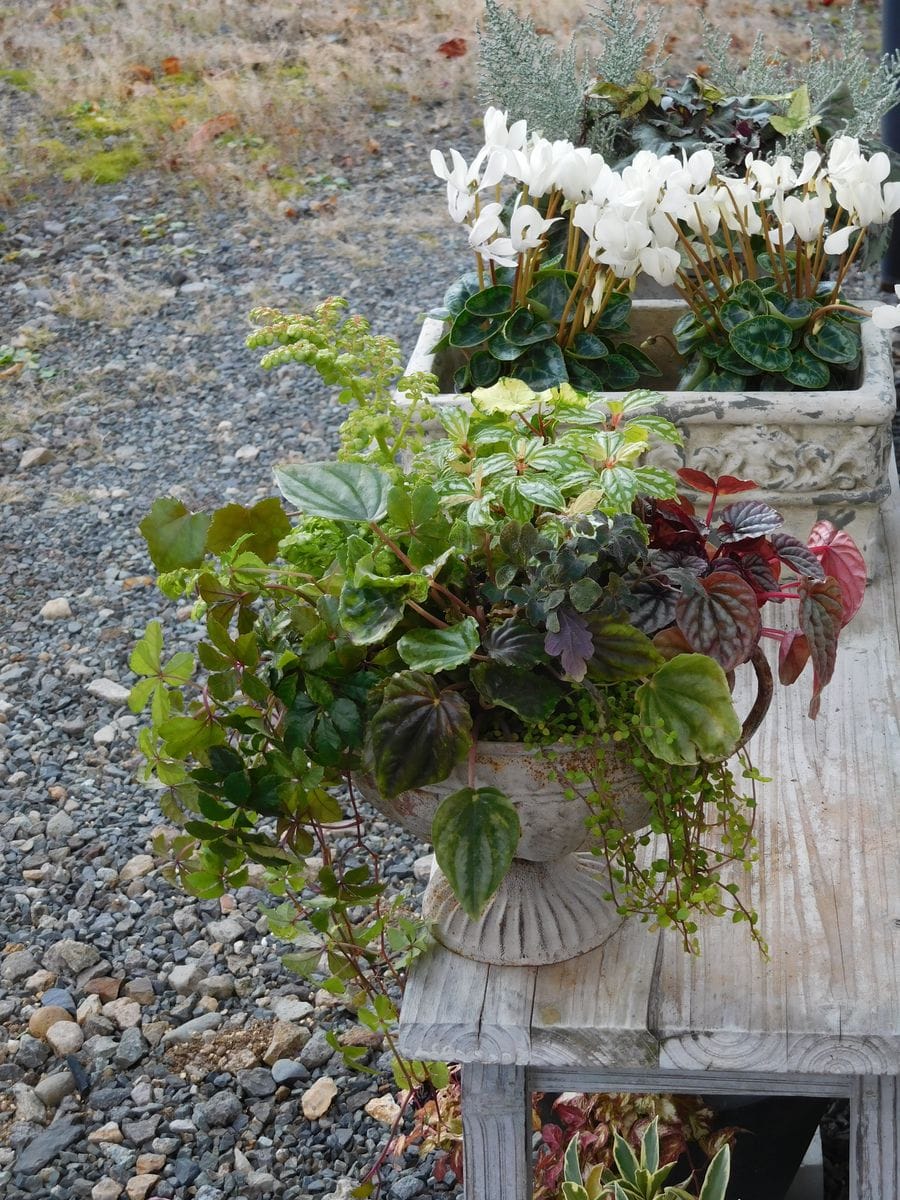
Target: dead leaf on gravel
pixel 171 65
pixel 209 131
pixel 140 72
pixel 453 47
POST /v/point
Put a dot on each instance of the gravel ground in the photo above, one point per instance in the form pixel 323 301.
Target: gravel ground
pixel 136 298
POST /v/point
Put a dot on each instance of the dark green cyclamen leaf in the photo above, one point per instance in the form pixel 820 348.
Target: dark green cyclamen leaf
pixel 369 613
pixel 764 341
pixel 747 519
pixel 795 555
pixel 638 359
pixel 524 329
pixel 621 652
pixel 728 360
pixel 419 733
pixel 469 330
pixel 686 712
pixel 484 370
pixel 821 617
pixel 588 346
pixel 719 616
pixel 733 313
pixel 583 376
pixel 719 381
pixel 459 292
pixel 834 343
pixel 617 373
pixel 436 650
pixel 793 655
pixel 796 311
pixel 549 296
pixel 475 832
pixel 514 644
pixel 542 367
pixel 807 371
pixel 343 491
pixel 615 315
pixel 750 296
pixel 266 523
pixel 530 695
pixel 461 379
pixel 492 302
pixel 571 643
pixel 503 349
pixel 175 536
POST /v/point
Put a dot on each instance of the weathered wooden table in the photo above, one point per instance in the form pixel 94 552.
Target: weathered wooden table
pixel 821 1017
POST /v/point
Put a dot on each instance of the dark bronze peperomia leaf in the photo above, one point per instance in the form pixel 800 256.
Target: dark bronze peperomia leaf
pixel 821 616
pixel 419 733
pixel 719 616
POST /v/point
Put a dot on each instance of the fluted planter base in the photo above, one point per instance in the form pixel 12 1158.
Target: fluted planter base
pixel 543 912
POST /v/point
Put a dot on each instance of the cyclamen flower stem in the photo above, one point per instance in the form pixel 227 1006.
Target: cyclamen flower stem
pixel 746 244
pixel 846 265
pixel 583 267
pixel 714 256
pixel 774 258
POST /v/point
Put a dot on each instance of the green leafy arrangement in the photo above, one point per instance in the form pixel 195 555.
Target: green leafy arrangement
pixel 524 578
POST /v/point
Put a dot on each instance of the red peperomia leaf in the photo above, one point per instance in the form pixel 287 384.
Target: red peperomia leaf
pixel 841 559
pixel 747 519
pixel 670 642
pixel 719 616
pixel 755 568
pixel 821 616
pixel 793 655
pixel 725 485
pixel 698 480
pixel 797 556
pixel 572 643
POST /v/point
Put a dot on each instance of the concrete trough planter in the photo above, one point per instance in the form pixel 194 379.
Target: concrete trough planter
pixel 815 455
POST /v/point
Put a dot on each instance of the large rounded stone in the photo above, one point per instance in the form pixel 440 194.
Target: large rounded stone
pixel 41 1020
pixel 65 1037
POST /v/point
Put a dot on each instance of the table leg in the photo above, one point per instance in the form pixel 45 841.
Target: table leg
pixel 875 1138
pixel 496 1116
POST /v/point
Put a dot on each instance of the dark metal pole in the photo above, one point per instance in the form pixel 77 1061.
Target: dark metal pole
pixel 890 131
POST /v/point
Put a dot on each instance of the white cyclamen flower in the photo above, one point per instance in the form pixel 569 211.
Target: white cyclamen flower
pixel 887 316
pixel 838 241
pixel 807 216
pixel 463 180
pixel 498 136
pixel 660 263
pixel 484 239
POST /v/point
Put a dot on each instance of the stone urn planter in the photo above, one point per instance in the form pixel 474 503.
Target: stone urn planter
pixel 814 455
pixel 551 904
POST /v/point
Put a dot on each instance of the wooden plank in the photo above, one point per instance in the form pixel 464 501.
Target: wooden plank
pixel 504 1032
pixel 496 1116
pixel 875 1138
pixel 441 1013
pixel 826 885
pixel 574 1079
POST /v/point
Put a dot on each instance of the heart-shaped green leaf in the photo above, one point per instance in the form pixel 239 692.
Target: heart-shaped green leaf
pixel 796 311
pixel 617 373
pixel 369 613
pixel 686 712
pixel 514 644
pixel 550 294
pixel 542 368
pixel 807 371
pixel 506 396
pixel 436 650
pixel 763 341
pixel 530 695
pixel 469 329
pixel 588 346
pixel 266 524
pixel 484 369
pixel 343 491
pixel 475 832
pixel 719 616
pixel 835 342
pixel 615 315
pixel 492 302
pixel 419 733
pixel 175 536
pixel 459 292
pixel 523 328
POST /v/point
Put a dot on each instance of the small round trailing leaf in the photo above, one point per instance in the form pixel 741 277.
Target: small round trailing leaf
pixel 484 370
pixel 492 302
pixel 834 342
pixel 747 519
pixel 763 341
pixel 343 491
pixel 719 616
pixel 475 832
pixel 419 733
pixel 686 712
pixel 436 650
pixel 807 371
pixel 544 367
